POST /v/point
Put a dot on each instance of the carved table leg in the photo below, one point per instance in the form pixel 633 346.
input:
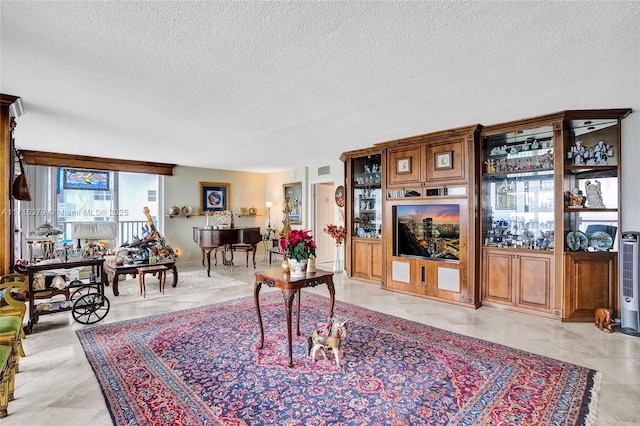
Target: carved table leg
pixel 298 325
pixel 288 301
pixel 116 276
pixel 256 301
pixel 332 294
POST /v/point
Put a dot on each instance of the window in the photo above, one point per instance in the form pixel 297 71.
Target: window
pixel 123 202
pixel 102 195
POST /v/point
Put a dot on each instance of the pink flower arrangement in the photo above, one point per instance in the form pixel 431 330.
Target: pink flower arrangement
pixel 298 245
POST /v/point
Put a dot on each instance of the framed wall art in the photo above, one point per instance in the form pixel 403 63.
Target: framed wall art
pixel 214 197
pixel 94 180
pixel 293 201
pixel 444 160
pixel 339 196
pixel 403 165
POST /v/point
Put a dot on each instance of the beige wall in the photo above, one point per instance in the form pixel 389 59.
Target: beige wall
pixel 247 190
pixel 182 189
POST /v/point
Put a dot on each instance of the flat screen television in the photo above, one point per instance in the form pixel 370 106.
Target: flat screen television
pixel 427 231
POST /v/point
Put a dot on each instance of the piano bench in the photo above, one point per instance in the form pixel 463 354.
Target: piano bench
pixel 247 248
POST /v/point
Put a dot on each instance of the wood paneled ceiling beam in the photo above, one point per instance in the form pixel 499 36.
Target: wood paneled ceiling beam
pixel 41 158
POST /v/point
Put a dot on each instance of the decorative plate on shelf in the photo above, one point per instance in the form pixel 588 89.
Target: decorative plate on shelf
pixel 340 196
pixel 187 210
pixel 577 240
pixel 601 241
pixel 361 232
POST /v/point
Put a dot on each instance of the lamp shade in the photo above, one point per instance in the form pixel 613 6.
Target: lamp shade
pixel 268 203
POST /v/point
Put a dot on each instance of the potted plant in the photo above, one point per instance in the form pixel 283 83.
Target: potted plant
pixel 297 246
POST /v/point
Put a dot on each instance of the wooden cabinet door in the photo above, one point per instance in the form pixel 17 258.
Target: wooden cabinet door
pixel 376 260
pixel 534 273
pixel 497 277
pixel 404 166
pixel 360 259
pixel 367 259
pixel 456 161
pixel 590 283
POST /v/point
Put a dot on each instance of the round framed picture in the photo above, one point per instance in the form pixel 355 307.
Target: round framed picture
pixel 340 196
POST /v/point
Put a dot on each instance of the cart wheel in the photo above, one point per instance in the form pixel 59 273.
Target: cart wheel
pixel 90 308
pixel 81 291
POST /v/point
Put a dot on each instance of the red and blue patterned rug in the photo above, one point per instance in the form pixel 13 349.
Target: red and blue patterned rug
pixel 201 366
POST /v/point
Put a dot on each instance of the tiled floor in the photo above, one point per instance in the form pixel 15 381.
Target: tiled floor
pixel 57 387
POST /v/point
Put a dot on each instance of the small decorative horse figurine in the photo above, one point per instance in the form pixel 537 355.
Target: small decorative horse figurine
pixel 328 336
pixel 603 319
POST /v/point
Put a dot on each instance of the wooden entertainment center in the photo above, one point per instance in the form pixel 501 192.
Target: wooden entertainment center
pixel 487 214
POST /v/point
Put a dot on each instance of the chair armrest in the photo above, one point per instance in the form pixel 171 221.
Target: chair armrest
pixel 7 338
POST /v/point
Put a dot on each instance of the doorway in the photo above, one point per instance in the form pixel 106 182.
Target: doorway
pixel 323 212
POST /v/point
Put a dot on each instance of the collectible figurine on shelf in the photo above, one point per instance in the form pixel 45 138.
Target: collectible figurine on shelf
pixel 594 195
pixel 578 153
pixel 601 152
pixel 575 198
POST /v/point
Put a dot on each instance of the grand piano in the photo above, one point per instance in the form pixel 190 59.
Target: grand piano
pixel 228 240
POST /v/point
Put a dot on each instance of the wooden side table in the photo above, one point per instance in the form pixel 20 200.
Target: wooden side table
pixel 133 269
pixel 161 270
pixel 291 286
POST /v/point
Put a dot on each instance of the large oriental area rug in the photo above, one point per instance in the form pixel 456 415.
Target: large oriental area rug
pixel 201 366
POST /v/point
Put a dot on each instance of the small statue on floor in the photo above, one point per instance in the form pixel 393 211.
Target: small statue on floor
pixel 603 319
pixel 328 336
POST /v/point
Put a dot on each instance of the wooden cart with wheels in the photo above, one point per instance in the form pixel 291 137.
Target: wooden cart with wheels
pixel 85 298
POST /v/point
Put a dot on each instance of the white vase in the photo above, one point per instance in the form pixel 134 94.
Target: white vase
pixel 338 260
pixel 298 268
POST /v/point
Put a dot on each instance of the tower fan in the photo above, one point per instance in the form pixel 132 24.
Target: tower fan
pixel 629 284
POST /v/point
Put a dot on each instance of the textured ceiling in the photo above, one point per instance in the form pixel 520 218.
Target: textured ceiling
pixel 265 86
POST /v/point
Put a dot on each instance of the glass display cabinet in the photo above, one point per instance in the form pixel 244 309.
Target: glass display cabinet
pixel 550 213
pixel 367 198
pixel 364 214
pixel 591 185
pixel 591 216
pixel 519 220
pixel 518 190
